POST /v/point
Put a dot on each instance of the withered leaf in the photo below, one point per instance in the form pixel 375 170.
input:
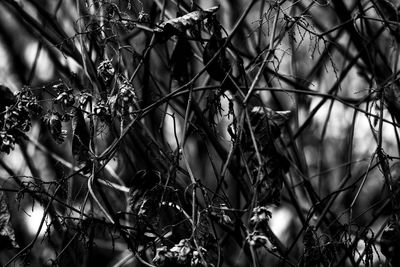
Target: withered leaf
pixel 219 68
pixel 144 201
pixel 145 179
pixel 277 117
pixel 389 9
pixel 178 25
pixel 7 236
pixel 268 120
pixel 180 60
pixel 390 241
pixel 81 138
pixel 142 188
pixel 7 97
pixel 53 121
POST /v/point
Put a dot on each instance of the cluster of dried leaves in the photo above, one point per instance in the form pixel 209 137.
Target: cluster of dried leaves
pixel 177 138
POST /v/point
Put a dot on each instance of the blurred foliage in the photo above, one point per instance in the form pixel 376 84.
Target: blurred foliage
pixel 177 133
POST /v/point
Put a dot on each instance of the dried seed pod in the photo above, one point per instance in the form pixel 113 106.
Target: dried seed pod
pixel 106 70
pixel 53 122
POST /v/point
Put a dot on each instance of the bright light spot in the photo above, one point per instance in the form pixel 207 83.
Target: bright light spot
pixel 7 77
pixel 72 65
pixel 339 119
pixel 172 128
pixel 44 66
pixel 280 222
pixel 361 246
pixel 33 218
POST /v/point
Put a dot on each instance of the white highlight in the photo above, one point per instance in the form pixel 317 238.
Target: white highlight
pixel 32 219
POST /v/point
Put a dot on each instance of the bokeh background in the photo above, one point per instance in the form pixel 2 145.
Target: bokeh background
pixel 331 65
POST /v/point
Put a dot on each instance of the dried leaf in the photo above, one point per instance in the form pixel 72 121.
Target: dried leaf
pixel 106 70
pixel 260 215
pixel 53 122
pixel 112 102
pixel 145 179
pixel 144 200
pixel 144 193
pixel 182 251
pixel 390 241
pixel 392 96
pixel 312 254
pixel 389 9
pixel 162 256
pixel 81 138
pixel 7 97
pixel 178 25
pixel 266 125
pixel 180 60
pixel 277 117
pixel 7 236
pixel 219 68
